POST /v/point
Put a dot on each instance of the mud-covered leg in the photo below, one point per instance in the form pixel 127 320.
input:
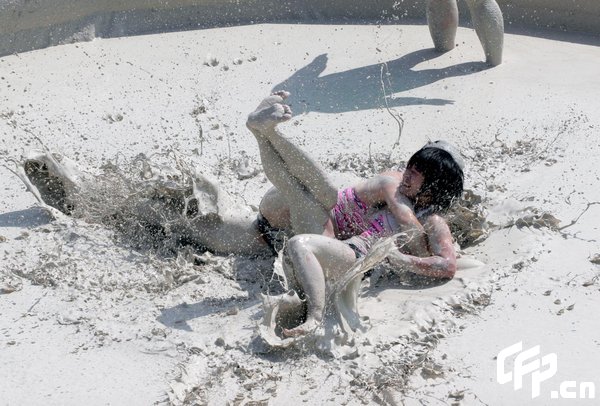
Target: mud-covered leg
pixel 230 234
pixel 279 154
pixel 442 18
pixel 307 215
pixel 489 25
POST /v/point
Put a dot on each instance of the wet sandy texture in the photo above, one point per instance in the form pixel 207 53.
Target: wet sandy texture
pixel 83 311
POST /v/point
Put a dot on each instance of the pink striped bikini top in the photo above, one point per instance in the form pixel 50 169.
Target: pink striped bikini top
pixel 352 217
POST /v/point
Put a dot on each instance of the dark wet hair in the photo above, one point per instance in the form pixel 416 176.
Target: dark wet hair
pixel 443 178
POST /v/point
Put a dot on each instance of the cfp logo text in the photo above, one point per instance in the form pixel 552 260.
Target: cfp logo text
pixel 541 369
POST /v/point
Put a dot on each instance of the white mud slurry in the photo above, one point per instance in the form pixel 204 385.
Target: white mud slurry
pixel 93 300
pixel 136 222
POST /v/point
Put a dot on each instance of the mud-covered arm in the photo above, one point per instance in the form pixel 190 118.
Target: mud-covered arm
pixel 442 262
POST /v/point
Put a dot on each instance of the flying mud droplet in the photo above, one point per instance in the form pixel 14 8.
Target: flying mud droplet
pixel 23 236
pixel 4 290
pixel 233 311
pixel 111 119
pixel 211 61
pixel 538 220
pixel 199 109
pixel 244 169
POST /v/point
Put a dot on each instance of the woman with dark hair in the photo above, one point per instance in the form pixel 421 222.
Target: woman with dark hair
pixel 443 176
pixel 343 225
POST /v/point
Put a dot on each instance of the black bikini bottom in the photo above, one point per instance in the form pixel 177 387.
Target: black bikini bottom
pixel 274 237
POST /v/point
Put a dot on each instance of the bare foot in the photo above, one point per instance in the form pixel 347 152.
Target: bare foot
pixel 54 178
pixel 270 112
pixel 303 329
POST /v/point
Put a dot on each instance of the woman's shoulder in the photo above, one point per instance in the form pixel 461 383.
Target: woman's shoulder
pixel 381 179
pixel 379 188
pixel 396 175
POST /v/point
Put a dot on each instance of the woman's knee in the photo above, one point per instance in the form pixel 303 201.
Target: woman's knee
pixel 301 247
pixel 274 208
pixel 298 245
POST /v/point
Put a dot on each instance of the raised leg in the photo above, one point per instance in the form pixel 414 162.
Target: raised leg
pixel 489 26
pixel 57 182
pixel 304 185
pixel 307 215
pixel 442 18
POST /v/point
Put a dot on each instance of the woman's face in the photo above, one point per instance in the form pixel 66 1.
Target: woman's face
pixel 412 180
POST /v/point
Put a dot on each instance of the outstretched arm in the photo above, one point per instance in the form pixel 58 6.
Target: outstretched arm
pixel 442 264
